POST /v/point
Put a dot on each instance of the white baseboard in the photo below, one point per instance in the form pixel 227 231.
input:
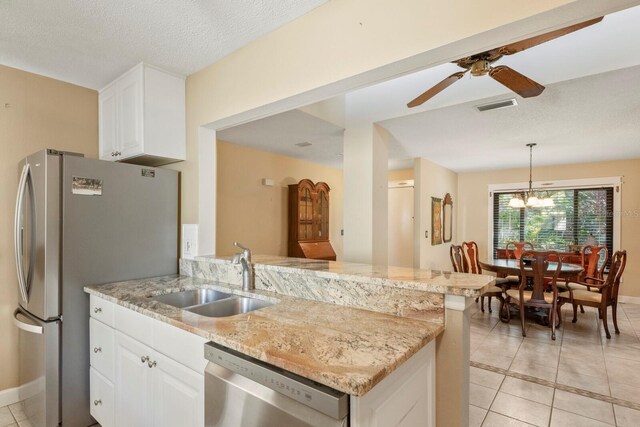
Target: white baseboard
pixel 628 300
pixel 9 396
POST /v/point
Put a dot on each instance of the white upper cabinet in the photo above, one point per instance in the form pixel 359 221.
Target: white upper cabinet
pixel 142 118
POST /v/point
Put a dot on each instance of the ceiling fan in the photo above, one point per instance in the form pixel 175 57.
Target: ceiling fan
pixel 480 65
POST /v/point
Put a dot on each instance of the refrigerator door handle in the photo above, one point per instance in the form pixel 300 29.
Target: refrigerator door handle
pixel 18 232
pixel 28 327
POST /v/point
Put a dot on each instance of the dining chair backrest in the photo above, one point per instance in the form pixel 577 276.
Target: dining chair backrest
pixel 618 263
pixel 594 259
pixel 535 265
pixel 516 249
pixel 455 252
pixel 470 258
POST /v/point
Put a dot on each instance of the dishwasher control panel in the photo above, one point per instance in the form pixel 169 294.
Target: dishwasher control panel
pixel 317 396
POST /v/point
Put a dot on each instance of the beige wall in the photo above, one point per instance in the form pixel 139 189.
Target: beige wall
pixel 42 113
pixel 401 174
pixel 473 205
pixel 347 44
pixel 256 215
pixel 432 180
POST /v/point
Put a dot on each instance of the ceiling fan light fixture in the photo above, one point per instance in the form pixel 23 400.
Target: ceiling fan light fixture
pixel 480 68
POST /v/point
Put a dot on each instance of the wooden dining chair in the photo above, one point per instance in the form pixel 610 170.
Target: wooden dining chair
pixel 455 253
pixel 537 297
pixel 593 260
pixel 603 296
pixel 514 250
pixel 471 264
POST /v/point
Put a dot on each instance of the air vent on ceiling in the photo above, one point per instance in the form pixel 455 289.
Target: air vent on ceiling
pixel 505 103
pixel 303 144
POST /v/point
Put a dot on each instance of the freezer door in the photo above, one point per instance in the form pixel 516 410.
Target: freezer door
pixel 37 234
pixel 39 368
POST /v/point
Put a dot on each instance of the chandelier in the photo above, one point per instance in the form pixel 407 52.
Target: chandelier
pixel 532 200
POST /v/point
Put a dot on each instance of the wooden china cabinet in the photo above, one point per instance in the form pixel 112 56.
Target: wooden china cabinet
pixel 309 221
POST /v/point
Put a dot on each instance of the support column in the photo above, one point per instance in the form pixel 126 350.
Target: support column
pixel 452 364
pixel 207 167
pixel 365 193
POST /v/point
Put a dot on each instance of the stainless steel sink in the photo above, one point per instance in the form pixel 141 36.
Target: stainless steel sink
pixel 191 298
pixel 230 307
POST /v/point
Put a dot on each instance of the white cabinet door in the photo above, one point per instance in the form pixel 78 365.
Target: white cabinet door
pixel 178 394
pixel 108 135
pixel 132 382
pixel 130 114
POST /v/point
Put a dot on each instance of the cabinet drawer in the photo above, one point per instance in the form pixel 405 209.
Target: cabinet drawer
pixel 102 344
pixel 134 324
pixel 101 310
pixel 102 399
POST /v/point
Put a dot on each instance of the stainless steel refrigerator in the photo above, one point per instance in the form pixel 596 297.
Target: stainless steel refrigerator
pixel 78 222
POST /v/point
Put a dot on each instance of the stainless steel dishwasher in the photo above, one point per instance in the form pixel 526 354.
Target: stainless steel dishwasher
pixel 243 391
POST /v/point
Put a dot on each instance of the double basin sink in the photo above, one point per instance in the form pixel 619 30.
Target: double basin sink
pixel 212 303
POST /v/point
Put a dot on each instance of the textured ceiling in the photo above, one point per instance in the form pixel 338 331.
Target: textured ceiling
pixel 91 42
pixel 589 119
pixel 589 111
pixel 280 134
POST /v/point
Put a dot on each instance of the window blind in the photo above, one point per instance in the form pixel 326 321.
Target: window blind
pixel 580 216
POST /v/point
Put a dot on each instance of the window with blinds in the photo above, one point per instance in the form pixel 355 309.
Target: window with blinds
pixel 580 217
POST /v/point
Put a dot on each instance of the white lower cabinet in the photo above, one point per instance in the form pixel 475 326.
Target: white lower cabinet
pixel 132 382
pixel 178 394
pixel 136 385
pixel 405 398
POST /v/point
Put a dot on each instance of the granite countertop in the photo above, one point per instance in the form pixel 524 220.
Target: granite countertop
pixel 345 348
pixel 427 280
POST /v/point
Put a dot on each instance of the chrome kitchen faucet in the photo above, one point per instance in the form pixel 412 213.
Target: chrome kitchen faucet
pixel 244 258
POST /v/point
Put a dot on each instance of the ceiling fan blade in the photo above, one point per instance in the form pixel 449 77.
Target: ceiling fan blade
pixel 516 47
pixel 436 89
pixel 522 85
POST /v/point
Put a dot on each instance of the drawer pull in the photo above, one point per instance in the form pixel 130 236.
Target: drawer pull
pixel 97 349
pixel 97 310
pixel 97 402
pixel 152 364
pixel 144 359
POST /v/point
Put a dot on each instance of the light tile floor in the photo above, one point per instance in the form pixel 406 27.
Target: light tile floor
pixel 580 379
pixel 13 416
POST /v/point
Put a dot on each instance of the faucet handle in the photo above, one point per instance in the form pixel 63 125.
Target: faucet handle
pixel 241 246
pixel 246 252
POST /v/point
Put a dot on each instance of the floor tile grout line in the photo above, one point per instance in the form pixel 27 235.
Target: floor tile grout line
pixel 558 386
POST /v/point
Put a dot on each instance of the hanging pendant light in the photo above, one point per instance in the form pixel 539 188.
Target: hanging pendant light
pixel 532 201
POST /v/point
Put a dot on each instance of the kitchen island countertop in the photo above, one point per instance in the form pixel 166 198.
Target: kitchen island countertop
pixel 346 348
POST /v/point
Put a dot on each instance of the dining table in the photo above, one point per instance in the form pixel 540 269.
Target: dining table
pixel 511 267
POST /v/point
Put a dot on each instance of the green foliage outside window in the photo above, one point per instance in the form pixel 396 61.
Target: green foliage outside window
pixel 579 217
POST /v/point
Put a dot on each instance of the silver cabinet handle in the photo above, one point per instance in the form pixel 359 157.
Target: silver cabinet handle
pixel 152 364
pixel 97 402
pixel 144 359
pixel 97 310
pixel 97 349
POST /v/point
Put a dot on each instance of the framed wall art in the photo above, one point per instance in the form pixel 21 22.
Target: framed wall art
pixel 436 221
